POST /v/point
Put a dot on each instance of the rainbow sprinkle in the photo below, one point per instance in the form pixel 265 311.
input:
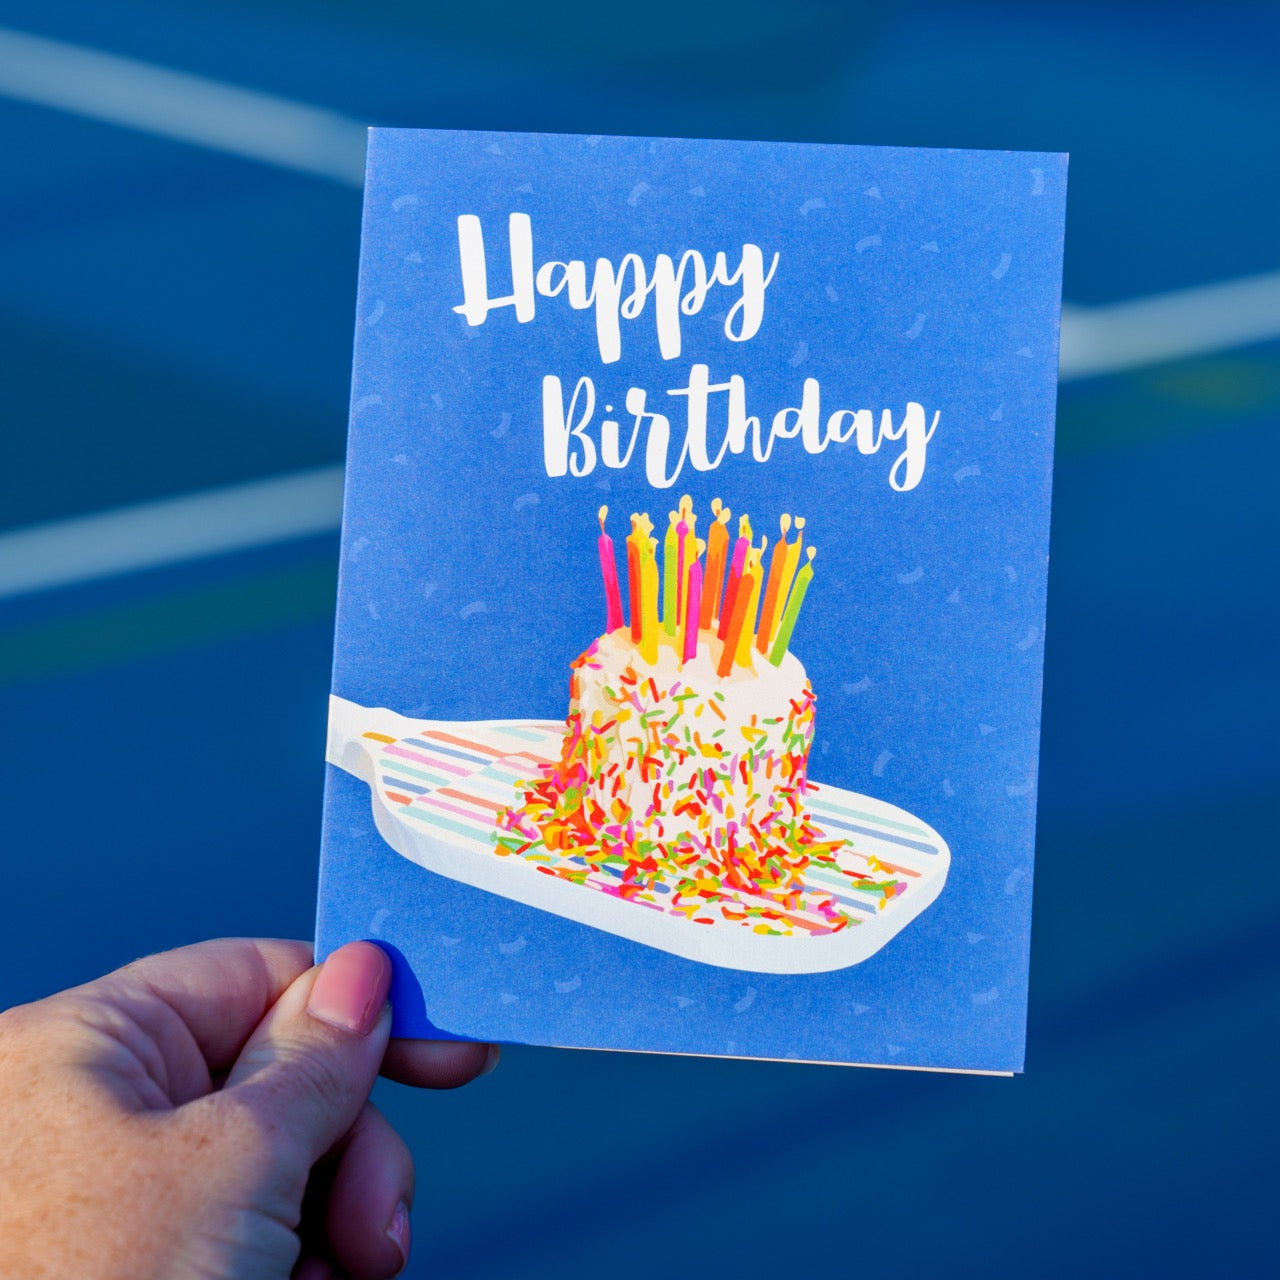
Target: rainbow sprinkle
pixel 659 801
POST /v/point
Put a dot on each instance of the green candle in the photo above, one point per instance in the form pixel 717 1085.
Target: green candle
pixel 670 575
pixel 792 611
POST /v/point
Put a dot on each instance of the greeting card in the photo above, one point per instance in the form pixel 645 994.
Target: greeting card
pixel 691 614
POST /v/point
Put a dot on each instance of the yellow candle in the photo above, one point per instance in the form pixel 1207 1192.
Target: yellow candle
pixel 649 601
pixel 670 575
pixel 755 573
pixel 637 550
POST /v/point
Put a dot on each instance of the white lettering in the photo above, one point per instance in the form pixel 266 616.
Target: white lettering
pixel 569 433
pixel 754 282
pixel 560 430
pixel 476 303
pixel 616 293
pixel 909 468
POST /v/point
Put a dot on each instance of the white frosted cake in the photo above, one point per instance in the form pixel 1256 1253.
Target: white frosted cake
pixel 682 776
pixel 687 755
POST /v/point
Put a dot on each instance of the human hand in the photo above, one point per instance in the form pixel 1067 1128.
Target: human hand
pixel 204 1113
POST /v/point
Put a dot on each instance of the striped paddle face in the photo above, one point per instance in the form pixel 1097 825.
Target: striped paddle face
pixel 454 784
pixel 441 789
pixel 878 845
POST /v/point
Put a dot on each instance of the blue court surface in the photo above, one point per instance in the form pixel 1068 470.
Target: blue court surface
pixel 176 307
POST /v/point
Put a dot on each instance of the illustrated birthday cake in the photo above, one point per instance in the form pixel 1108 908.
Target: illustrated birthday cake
pixel 682 779
pixel 676 792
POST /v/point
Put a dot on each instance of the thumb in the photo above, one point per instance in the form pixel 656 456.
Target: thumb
pixel 307 1069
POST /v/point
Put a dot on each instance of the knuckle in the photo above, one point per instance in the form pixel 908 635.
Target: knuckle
pixel 43 1031
pixel 290 1067
pixel 13 1022
pixel 321 1073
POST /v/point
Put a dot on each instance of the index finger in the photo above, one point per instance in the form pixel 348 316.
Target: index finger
pixel 438 1064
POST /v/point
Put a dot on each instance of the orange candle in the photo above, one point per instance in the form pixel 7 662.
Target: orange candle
pixel 770 607
pixel 713 579
pixel 747 583
pixel 789 566
pixel 788 624
pixel 740 549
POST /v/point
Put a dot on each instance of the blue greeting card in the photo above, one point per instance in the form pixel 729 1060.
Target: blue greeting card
pixel 686 689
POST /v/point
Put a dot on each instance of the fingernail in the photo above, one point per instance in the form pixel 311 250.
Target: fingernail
pixel 492 1059
pixel 351 988
pixel 398 1233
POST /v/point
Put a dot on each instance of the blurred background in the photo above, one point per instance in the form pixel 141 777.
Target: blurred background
pixel 180 209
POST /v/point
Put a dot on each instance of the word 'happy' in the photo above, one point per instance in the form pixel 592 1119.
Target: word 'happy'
pixel 617 293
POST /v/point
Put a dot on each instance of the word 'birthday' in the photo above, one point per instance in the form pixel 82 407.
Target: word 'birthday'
pixel 616 293
pixel 573 442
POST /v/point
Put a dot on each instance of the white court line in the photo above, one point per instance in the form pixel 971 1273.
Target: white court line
pixel 260 126
pixel 1168 326
pixel 186 108
pixel 326 144
pixel 152 534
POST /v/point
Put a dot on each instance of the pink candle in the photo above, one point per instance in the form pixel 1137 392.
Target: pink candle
pixel 692 608
pixel 609 568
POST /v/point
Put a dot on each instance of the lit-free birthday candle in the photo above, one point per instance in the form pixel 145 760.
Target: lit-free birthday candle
pixel 690 544
pixel 671 575
pixel 768 611
pixel 740 550
pixel 682 562
pixel 649 599
pixel 633 577
pixel 717 552
pixel 792 611
pixel 755 574
pixel 747 585
pixel 609 568
pixel 693 607
pixel 789 564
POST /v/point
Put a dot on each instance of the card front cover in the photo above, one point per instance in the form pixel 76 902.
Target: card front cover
pixel 691 613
